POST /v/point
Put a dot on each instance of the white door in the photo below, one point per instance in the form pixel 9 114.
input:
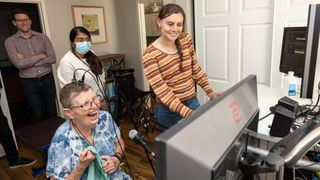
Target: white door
pixel 233 39
pixel 6 112
pixel 237 38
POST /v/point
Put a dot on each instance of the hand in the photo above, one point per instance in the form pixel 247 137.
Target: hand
pixel 215 94
pixel 41 56
pixel 190 112
pixel 111 164
pixel 20 56
pixel 86 157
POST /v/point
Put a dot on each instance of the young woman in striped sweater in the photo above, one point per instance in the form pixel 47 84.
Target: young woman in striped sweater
pixel 172 68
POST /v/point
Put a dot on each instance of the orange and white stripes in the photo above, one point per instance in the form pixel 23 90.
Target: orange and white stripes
pixel 169 83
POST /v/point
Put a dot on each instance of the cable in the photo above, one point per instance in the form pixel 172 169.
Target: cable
pixel 265 116
pixel 122 150
pixel 96 78
pixel 102 91
pixel 74 79
pixel 258 176
pixel 316 103
pixel 303 176
pixel 317 99
pixel 312 108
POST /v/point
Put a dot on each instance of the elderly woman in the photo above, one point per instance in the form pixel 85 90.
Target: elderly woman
pixel 85 126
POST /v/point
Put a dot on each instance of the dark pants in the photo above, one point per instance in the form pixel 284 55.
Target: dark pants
pixel 6 139
pixel 40 94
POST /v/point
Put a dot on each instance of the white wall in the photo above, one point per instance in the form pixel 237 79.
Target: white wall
pixel 128 27
pixel 60 22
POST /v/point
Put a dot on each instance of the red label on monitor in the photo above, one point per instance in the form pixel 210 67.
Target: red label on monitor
pixel 234 107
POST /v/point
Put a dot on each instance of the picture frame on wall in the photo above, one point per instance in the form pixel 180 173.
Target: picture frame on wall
pixel 93 19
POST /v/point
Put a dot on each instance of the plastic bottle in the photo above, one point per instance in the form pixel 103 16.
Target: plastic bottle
pixel 290 86
pixel 298 92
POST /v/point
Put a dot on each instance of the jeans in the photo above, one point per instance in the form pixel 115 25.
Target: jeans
pixel 168 118
pixel 6 139
pixel 41 96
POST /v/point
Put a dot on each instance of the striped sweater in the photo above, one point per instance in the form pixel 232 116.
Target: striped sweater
pixel 169 83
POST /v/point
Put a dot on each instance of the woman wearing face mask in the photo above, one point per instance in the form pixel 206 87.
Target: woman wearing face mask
pixel 172 68
pixel 80 63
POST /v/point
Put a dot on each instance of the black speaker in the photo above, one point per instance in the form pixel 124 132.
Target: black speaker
pixel 282 122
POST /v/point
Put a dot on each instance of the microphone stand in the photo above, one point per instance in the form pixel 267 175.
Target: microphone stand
pixel 150 161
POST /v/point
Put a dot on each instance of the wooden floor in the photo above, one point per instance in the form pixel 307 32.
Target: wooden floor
pixel 135 155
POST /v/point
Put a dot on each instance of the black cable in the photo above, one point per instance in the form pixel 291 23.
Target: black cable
pixel 312 109
pixel 303 176
pixel 125 101
pixel 103 94
pixel 265 116
pixel 95 77
pixel 258 176
pixel 317 100
pixel 74 79
pixel 316 103
pixel 122 150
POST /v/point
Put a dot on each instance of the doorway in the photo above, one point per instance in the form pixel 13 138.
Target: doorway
pixel 151 11
pixel 19 109
pixel 148 32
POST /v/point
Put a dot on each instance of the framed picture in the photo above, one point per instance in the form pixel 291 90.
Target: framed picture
pixel 92 18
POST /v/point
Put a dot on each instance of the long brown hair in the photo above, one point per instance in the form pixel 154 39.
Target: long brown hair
pixel 166 11
pixel 92 60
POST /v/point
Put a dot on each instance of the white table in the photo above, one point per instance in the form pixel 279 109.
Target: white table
pixel 268 97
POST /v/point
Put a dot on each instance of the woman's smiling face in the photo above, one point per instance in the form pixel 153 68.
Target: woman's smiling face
pixel 171 27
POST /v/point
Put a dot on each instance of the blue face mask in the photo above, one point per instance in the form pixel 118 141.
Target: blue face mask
pixel 83 47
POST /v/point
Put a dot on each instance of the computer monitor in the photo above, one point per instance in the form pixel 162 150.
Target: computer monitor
pixel 300 49
pixel 293 50
pixel 208 144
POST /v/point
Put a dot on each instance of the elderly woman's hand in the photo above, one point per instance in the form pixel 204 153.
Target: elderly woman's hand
pixel 111 164
pixel 86 157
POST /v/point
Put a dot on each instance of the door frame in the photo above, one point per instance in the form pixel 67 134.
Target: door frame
pixel 45 30
pixel 142 38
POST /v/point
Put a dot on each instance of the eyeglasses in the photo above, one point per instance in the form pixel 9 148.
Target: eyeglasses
pixel 87 105
pixel 22 20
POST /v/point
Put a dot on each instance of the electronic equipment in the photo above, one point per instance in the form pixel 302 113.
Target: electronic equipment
pixel 282 121
pixel 308 80
pixel 300 49
pixel 208 144
pixel 134 135
pixel 293 50
pixel 284 115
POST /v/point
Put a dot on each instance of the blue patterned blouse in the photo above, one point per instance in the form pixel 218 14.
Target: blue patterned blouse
pixel 66 146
